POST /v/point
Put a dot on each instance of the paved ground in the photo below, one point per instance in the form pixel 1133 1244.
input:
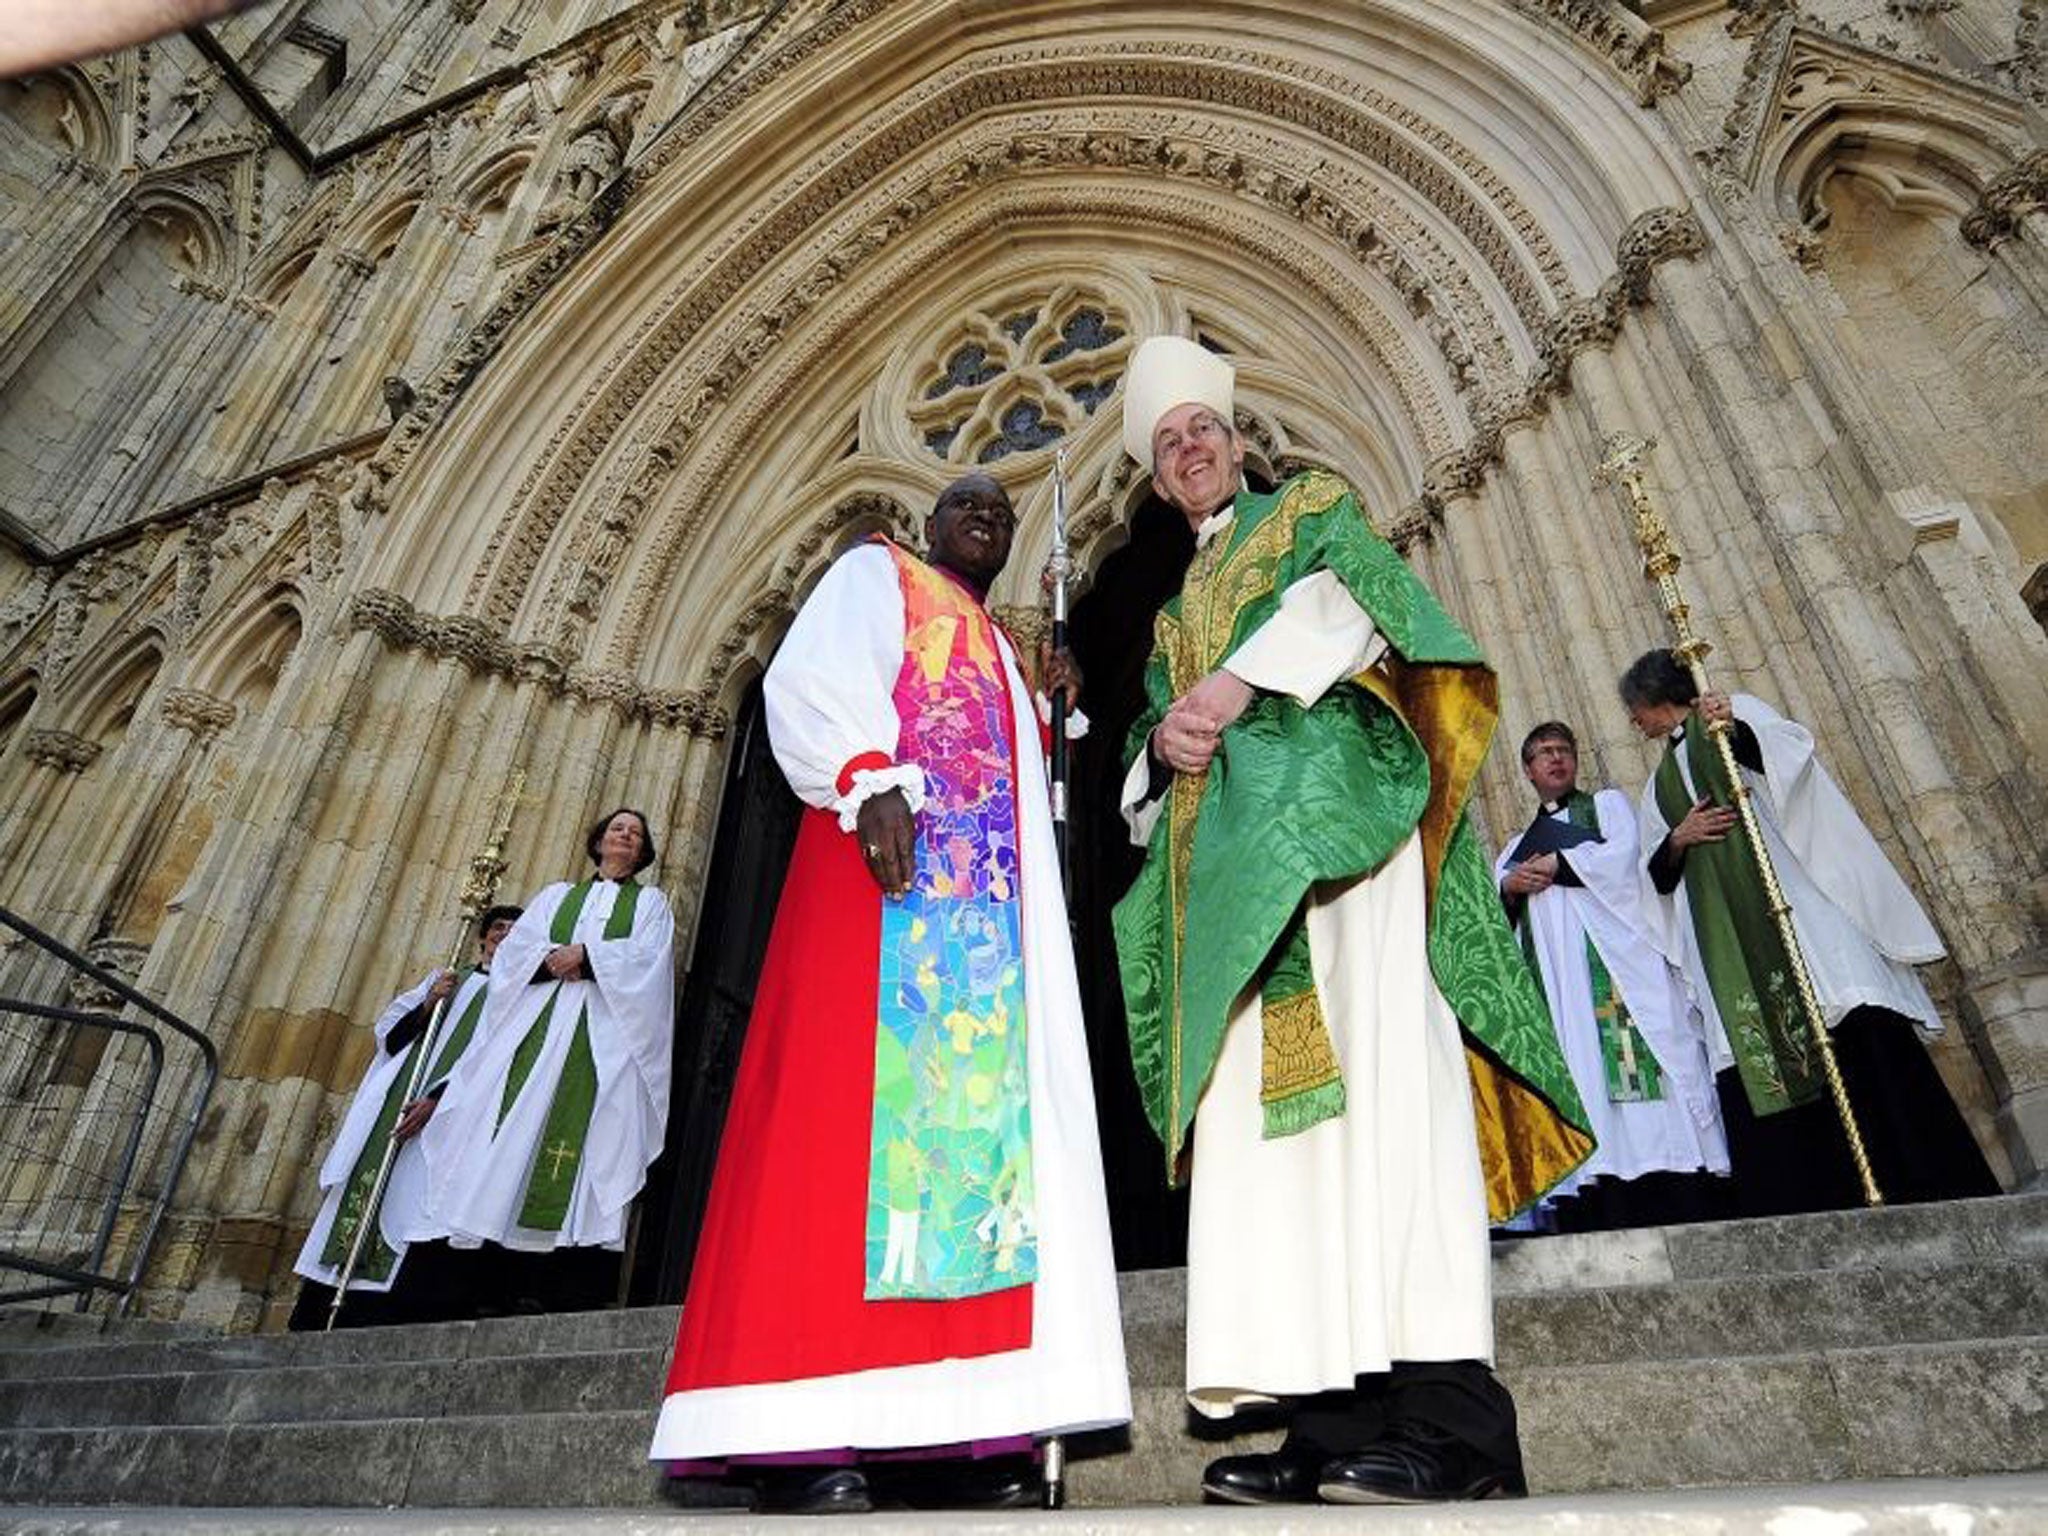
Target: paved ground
pixel 2006 1505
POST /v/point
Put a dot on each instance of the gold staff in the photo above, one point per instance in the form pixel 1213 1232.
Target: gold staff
pixel 485 870
pixel 1622 463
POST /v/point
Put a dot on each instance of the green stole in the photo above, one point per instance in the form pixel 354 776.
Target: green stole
pixel 1627 1062
pixel 1301 797
pixel 378 1257
pixel 1740 948
pixel 559 1153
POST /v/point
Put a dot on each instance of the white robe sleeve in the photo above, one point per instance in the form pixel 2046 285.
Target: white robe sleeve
pixel 1826 835
pixel 829 695
pixel 361 1116
pixel 457 1006
pixel 1319 636
pixel 1611 874
pixel 636 978
pixel 1140 814
pixel 519 955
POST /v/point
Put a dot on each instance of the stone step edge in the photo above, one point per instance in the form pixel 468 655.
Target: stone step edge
pixel 599 1360
pixel 509 1358
pixel 1528 1376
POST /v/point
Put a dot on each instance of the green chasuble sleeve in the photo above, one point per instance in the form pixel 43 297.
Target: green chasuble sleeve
pixel 1297 796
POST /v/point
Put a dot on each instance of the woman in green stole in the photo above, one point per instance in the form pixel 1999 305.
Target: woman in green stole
pixel 1860 929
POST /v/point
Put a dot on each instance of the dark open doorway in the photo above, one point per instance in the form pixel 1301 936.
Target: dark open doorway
pixel 757 821
pixel 1110 630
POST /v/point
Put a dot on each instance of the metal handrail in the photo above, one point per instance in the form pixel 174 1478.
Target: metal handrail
pixel 188 1131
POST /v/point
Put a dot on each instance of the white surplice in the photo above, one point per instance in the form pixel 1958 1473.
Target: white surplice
pixel 1859 926
pixel 401 1218
pixel 477 1168
pixel 1681 1132
pixel 1322 1256
pixel 829 698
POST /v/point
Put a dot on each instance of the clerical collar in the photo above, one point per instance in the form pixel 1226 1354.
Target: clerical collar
pixel 1553 807
pixel 1215 523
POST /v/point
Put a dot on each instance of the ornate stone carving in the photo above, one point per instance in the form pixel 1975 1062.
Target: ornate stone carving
pixel 122 957
pixel 1653 238
pixel 190 709
pixel 2028 67
pixel 2007 201
pixel 1380 127
pixel 592 159
pixel 1633 47
pixel 1416 525
pixel 104 576
pixel 62 750
pixel 1804 245
pixel 1006 210
pixel 24 605
pixel 471 641
pixel 1728 162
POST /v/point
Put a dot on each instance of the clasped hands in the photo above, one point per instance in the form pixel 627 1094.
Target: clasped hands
pixel 564 961
pixel 1531 875
pixel 1187 738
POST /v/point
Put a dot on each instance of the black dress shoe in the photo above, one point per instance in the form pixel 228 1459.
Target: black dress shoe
pixel 801 1491
pixel 1417 1464
pixel 994 1482
pixel 1275 1477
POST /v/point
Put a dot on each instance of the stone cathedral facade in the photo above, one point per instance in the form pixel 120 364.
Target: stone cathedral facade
pixel 393 392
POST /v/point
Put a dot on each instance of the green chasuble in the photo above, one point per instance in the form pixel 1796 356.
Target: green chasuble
pixel 1740 947
pixel 1299 796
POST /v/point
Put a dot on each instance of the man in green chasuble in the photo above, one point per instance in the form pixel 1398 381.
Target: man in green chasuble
pixel 1333 1030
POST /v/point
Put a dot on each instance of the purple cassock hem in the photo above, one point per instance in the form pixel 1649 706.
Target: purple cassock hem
pixel 716 1466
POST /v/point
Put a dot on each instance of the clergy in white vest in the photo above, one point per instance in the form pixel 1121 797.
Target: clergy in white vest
pixel 1571 881
pixel 547 1128
pixel 1858 925
pixel 448 1006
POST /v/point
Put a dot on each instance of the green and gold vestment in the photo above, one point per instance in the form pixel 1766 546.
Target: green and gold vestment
pixel 1301 796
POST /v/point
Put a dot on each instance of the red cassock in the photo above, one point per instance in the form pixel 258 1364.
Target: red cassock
pixel 776 1291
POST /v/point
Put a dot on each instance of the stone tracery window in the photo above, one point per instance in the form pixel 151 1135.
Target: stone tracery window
pixel 1018 377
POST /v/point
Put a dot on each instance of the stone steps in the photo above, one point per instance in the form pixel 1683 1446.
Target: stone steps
pixel 463 1369
pixel 1851 1345
pixel 1940 1409
pixel 1986 1506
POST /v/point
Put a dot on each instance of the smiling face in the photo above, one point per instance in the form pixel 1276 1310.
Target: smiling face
pixel 618 850
pixel 1197 460
pixel 493 937
pixel 1552 767
pixel 970 529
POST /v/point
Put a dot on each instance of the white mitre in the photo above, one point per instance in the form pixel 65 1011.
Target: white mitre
pixel 1168 371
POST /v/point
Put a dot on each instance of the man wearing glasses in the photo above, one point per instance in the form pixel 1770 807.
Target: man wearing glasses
pixel 1332 1028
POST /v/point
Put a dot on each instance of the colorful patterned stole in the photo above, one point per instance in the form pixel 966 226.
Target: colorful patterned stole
pixel 559 1153
pixel 950 1209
